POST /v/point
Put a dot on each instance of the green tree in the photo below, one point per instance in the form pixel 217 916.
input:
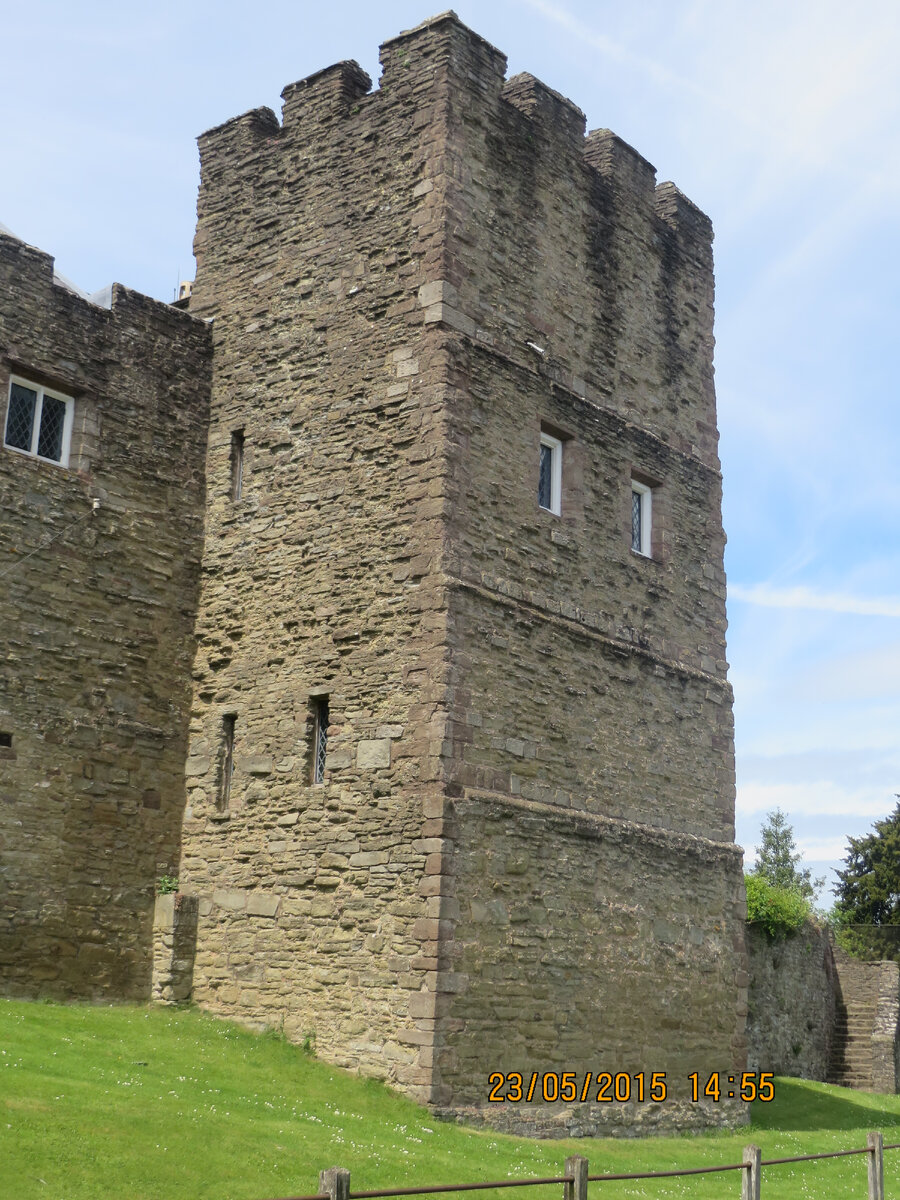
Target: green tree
pixel 777 858
pixel 868 891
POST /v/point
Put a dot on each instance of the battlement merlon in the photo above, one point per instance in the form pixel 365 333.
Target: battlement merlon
pixel 432 44
pixel 683 216
pixel 33 270
pixel 325 96
pixel 424 60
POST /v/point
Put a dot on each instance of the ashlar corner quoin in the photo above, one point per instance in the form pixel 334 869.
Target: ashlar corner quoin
pixel 459 786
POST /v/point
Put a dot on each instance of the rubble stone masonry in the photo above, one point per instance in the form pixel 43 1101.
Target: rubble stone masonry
pixel 520 855
pixel 446 774
pixel 99 566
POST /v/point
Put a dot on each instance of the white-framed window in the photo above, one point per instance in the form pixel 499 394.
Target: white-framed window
pixel 641 518
pixel 550 474
pixel 38 421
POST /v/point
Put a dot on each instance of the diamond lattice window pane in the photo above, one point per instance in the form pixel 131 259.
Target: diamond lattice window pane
pixel 545 477
pixel 20 417
pixel 53 417
pixel 636 512
pixel 321 741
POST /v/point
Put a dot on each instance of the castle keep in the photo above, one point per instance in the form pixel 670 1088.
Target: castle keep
pixel 451 777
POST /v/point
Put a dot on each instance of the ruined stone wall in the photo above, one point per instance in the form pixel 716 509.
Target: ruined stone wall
pixel 792 1002
pixel 97 609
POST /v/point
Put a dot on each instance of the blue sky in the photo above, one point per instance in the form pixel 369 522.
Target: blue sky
pixel 782 121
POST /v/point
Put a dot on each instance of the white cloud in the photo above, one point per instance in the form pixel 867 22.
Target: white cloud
pixel 822 850
pixel 817 798
pixel 856 677
pixel 766 596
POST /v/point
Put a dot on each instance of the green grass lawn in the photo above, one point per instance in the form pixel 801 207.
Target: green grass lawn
pixel 164 1104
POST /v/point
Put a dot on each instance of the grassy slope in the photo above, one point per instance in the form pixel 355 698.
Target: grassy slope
pixel 143 1104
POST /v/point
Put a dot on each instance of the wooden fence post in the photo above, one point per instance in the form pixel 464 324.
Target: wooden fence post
pixel 875 1162
pixel 750 1176
pixel 336 1182
pixel 577 1167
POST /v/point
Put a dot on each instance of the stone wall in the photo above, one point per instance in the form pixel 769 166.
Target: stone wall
pixel 408 287
pixel 587 944
pixel 97 606
pixel 322 579
pixel 793 1002
pixel 867 1038
pixel 174 947
pixel 886 1031
pixel 586 681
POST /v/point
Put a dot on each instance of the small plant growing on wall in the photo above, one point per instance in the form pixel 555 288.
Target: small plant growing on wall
pixel 166 884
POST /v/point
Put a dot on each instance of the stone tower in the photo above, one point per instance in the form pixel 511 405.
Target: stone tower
pixel 460 786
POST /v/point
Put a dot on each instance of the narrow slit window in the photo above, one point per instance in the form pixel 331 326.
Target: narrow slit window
pixel 5 740
pixel 237 464
pixel 641 518
pixel 320 737
pixel 550 474
pixel 228 724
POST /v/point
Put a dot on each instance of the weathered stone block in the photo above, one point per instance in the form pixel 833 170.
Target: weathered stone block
pixel 373 753
pixel 258 764
pixel 259 905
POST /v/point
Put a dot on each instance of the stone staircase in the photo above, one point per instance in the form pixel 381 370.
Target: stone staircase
pixel 851 1059
pixel 864 1051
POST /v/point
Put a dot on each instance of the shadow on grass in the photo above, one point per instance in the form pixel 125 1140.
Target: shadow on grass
pixel 800 1104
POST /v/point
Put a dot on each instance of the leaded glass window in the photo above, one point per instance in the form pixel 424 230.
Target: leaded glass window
pixel 50 437
pixel 20 416
pixel 320 744
pixel 544 479
pixel 636 521
pixel 641 510
pixel 229 721
pixel 38 422
pixel 550 474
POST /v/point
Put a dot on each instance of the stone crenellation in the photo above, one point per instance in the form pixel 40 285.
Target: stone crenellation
pixel 429 486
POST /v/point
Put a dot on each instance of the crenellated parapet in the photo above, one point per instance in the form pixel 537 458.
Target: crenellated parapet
pixel 543 232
